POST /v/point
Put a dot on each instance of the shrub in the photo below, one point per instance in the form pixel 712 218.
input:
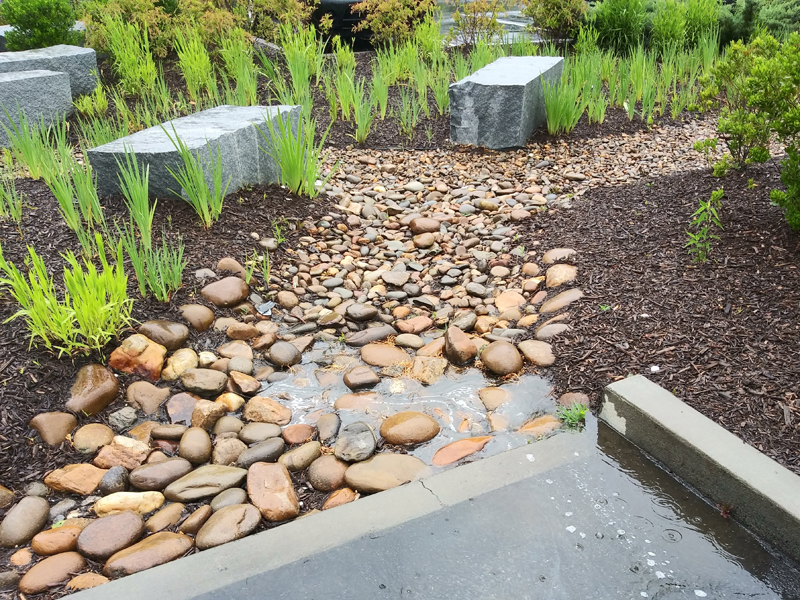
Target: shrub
pixel 702 19
pixel 556 19
pixel 737 21
pixel 620 24
pixel 269 15
pixel 668 25
pixel 789 200
pixel 780 17
pixel 475 20
pixel 392 20
pixel 38 23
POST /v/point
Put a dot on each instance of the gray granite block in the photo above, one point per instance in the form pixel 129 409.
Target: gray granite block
pixel 234 130
pixel 79 63
pixel 40 95
pixel 501 104
pixel 78 27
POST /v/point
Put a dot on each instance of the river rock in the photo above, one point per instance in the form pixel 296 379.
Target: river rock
pixel 157 476
pixel 560 301
pixel 493 397
pixel 560 274
pixel 228 425
pixel 227 451
pixel 298 433
pixel 409 427
pixel 299 458
pixel 258 432
pixel 265 410
pixel 540 426
pixel 434 348
pixel 203 482
pixel 234 349
pixel 326 473
pixel 557 255
pixel 340 497
pixel 181 406
pixel 508 300
pixel 361 312
pixel 267 451
pixel 205 382
pixel 140 356
pixel 51 572
pixel 85 581
pixel 226 292
pixel 6 496
pixel 80 479
pixel 501 358
pixel 383 355
pixel 228 524
pixel 228 497
pixel 167 333
pixel 232 402
pixel 384 471
pixel 195 521
pixel 180 362
pixel 428 369
pixel 242 382
pixel 356 442
pixel 53 427
pixel 284 354
pixel 539 353
pixel 138 502
pixel 328 426
pixel 415 325
pixel 9 580
pixel 157 549
pixel 115 480
pixel 206 413
pixel 166 517
pixel 271 491
pixel 55 541
pixel 199 317
pixel 146 397
pixel 95 388
pixel 424 225
pixel 195 446
pixel 23 521
pixel 108 535
pixel 369 335
pixel 457 450
pixel 458 347
pixel 360 377
pixel 123 451
pixel 241 331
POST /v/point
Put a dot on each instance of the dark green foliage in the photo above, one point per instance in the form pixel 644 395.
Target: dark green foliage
pixel 738 20
pixel 790 177
pixel 702 19
pixel 780 17
pixel 668 25
pixel 38 23
pixel 620 24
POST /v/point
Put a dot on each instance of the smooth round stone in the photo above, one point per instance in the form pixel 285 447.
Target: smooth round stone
pixel 493 397
pixel 170 335
pixel 228 425
pixel 108 535
pixel 240 364
pixel 115 480
pixel 195 446
pixel 284 354
pixel 94 388
pixel 6 496
pixel 409 427
pixel 226 292
pixel 267 451
pixel 361 312
pixel 195 521
pixel 328 426
pixel 326 473
pixel 146 396
pixel 23 521
pixel 228 524
pixel 360 377
pixel 152 551
pixel 228 497
pixel 356 442
pixel 85 581
pixel 37 488
pixel 55 541
pixel 53 427
pixel 409 340
pixel 298 434
pixel 258 432
pixel 381 355
pixel 301 457
pixel 501 358
pixel 537 352
pixel 384 471
pixel 204 482
pixel 157 476
pixel 166 517
pixel 50 572
pixel 172 432
pixel 199 317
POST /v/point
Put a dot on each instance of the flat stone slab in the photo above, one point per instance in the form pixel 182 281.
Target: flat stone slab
pixel 4 29
pixel 39 94
pixel 232 129
pixel 501 104
pixel 79 63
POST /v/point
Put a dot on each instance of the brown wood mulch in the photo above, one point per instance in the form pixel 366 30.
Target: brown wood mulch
pixel 723 336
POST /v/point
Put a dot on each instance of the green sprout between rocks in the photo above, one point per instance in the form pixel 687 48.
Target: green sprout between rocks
pixel 705 221
pixel 573 416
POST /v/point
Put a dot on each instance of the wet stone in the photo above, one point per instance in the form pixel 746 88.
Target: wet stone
pixel 266 410
pixel 298 459
pixel 409 427
pixel 95 388
pixel 328 426
pixel 80 479
pixel 53 427
pixel 458 347
pixel 145 396
pixel 157 476
pixel 267 451
pixel 382 355
pixel 55 541
pixel 459 449
pixel 139 355
pixel 384 471
pixel 560 301
pixel 258 432
pixel 23 521
pixel 493 397
pixel 298 434
pixel 195 521
pixel 198 316
pixel 115 480
pixel 356 442
pixel 50 572
pixel 360 377
pixel 108 535
pixel 228 524
pixel 501 358
pixel 195 446
pixel 157 549
pixel 271 491
pixel 167 333
pixel 226 292
pixel 85 581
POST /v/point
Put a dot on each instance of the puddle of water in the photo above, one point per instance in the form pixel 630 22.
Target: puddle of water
pixel 452 400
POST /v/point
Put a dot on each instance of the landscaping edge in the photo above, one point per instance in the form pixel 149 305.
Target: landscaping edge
pixel 233 563
pixel 756 491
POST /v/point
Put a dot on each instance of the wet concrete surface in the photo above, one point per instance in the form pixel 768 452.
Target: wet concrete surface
pixel 609 524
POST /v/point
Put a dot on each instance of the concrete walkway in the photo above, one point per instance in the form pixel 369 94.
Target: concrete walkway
pixel 573 517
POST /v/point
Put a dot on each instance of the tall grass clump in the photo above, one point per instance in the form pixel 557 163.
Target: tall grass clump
pixel 79 205
pixel 94 309
pixel 30 145
pixel 668 25
pixel 621 24
pixel 195 63
pixel 702 19
pixel 363 111
pixel 291 145
pixel 11 200
pixel 563 104
pixel 133 62
pixel 134 183
pixel 237 54
pixel 158 269
pixel 206 200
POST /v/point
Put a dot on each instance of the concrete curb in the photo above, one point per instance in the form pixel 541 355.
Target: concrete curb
pixel 225 565
pixel 763 495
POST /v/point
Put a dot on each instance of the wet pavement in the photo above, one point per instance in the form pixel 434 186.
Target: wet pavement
pixel 608 524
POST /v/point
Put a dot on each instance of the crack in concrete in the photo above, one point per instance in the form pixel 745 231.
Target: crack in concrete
pixel 422 483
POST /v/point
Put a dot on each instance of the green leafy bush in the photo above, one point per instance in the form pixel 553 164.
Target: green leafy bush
pixel 668 25
pixel 38 23
pixel 620 24
pixel 789 200
pixel 268 15
pixel 556 19
pixel 392 21
pixel 474 20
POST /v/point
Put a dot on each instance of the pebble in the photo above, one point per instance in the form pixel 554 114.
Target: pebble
pixel 384 471
pixel 157 549
pixel 409 427
pixel 108 535
pixel 228 524
pixel 24 520
pixel 50 572
pixel 94 388
pixel 356 442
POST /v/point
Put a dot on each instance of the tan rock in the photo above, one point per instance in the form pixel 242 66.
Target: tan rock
pixel 560 274
pixel 415 325
pixel 434 348
pixel 54 541
pixel 356 401
pixel 428 369
pixel 266 410
pixel 138 502
pixel 227 451
pixel 557 255
pixel 95 388
pixel 234 349
pixel 195 521
pixel 145 396
pixel 232 402
pixel 21 557
pixel 571 398
pixel 179 363
pixel 409 427
pixel 157 549
pixel 457 450
pixel 560 301
pixel 298 434
pixel 508 300
pixel 6 496
pixel 245 384
pixel 458 347
pixel 271 491
pixel 540 426
pixel 298 459
pixel 340 497
pixel 384 471
pixel 84 581
pixel 539 353
pixel 123 451
pixel 383 355
pixel 142 431
pixel 287 299
pixel 241 331
pixel 206 413
pixel 199 317
pixel 54 427
pixel 51 572
pixel 166 517
pixel 493 397
pixel 80 479
pixel 226 292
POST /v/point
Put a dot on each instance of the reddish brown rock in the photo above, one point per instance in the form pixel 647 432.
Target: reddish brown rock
pixel 409 427
pixel 458 347
pixel 140 356
pixel 51 572
pixel 166 517
pixel 326 473
pixel 540 426
pixel 226 292
pixel 241 331
pixel 339 497
pixel 54 427
pixel 80 479
pixel 457 450
pixel 95 388
pixel 415 325
pixel 244 384
pixel 124 452
pixel 145 396
pixel 298 434
pixel 108 535
pixel 195 521
pixel 157 549
pixel 167 333
pixel 54 541
pixel 271 491
pixel 181 406
pixel 265 410
pixel 84 581
pixel 199 317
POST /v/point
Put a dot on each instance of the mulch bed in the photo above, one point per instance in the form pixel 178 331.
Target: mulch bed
pixel 723 336
pixel 34 381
